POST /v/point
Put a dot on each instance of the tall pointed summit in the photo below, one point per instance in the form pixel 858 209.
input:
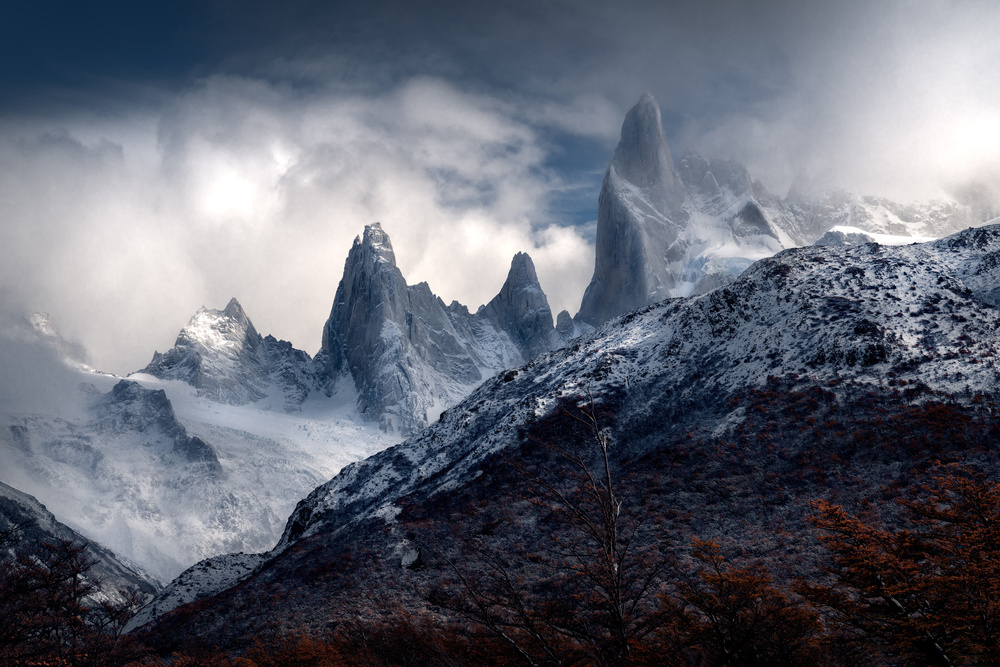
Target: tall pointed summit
pixel 643 158
pixel 639 219
pixel 521 309
pixel 411 356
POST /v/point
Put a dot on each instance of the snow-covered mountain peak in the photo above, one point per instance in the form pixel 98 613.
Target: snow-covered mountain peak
pixel 216 329
pixel 235 312
pixel 220 353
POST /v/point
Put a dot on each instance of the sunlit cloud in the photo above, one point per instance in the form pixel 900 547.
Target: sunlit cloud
pixel 258 195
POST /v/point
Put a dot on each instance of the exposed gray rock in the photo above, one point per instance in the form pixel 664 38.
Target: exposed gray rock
pixel 521 309
pixel 409 355
pixel 643 157
pixel 712 281
pixel 638 221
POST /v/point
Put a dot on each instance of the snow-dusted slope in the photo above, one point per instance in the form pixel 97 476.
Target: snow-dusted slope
pixel 199 581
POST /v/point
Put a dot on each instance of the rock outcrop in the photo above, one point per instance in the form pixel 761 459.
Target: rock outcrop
pixel 521 309
pixel 639 220
pixel 131 408
pixel 400 343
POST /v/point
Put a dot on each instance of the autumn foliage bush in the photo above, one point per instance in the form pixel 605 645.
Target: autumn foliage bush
pixel 926 590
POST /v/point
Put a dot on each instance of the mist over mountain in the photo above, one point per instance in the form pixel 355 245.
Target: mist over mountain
pixel 236 151
pixel 668 229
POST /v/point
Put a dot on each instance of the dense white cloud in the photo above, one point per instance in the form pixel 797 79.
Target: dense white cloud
pixel 242 188
pixel 894 98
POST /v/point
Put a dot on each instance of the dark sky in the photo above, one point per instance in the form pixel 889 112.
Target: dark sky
pixel 156 157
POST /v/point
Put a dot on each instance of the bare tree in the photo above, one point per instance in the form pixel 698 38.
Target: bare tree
pixel 589 589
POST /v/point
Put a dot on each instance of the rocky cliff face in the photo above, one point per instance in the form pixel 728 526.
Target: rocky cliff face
pixel 521 309
pixel 639 221
pixel 221 354
pixel 409 354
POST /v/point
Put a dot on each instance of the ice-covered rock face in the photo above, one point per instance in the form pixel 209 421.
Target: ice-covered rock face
pixel 221 354
pixel 667 231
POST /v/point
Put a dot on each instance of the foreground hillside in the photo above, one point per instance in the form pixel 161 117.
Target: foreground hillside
pixel 840 374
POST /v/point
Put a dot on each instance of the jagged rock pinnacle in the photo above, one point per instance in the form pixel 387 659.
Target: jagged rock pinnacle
pixel 639 217
pixel 642 156
pixel 521 308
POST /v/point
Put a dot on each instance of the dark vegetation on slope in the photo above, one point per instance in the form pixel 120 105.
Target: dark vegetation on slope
pixel 52 608
pixel 797 535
